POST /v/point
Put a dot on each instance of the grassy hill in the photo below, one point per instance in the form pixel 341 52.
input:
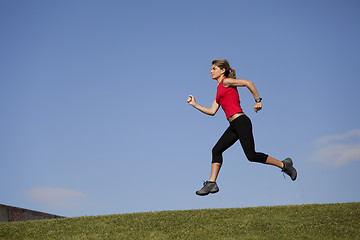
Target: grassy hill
pixel 317 221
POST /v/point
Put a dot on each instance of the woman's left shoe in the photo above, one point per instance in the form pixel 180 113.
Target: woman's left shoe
pixel 209 187
pixel 289 169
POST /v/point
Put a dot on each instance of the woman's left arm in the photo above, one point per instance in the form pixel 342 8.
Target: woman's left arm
pixel 230 82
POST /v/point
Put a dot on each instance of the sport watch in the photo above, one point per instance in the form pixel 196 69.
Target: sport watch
pixel 258 100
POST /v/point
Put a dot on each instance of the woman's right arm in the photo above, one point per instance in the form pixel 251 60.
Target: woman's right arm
pixel 210 111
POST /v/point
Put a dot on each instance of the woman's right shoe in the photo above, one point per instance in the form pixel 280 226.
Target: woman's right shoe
pixel 289 169
pixel 209 187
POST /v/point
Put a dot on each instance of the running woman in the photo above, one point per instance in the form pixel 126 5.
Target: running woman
pixel 240 127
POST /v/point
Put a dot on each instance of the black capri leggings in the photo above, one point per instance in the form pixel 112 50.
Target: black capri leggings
pixel 239 129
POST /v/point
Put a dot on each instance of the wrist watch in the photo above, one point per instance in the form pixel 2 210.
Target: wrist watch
pixel 258 100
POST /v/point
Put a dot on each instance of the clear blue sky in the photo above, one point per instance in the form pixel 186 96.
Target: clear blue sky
pixel 94 118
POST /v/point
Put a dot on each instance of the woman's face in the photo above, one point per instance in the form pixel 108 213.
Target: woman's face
pixel 216 72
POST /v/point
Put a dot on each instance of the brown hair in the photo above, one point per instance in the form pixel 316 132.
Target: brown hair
pixel 224 64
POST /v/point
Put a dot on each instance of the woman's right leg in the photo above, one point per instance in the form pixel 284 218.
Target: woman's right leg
pixel 243 127
pixel 274 162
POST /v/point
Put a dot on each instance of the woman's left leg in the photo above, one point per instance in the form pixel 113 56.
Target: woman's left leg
pixel 226 140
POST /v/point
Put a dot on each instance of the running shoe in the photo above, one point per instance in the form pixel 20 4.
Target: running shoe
pixel 289 169
pixel 209 187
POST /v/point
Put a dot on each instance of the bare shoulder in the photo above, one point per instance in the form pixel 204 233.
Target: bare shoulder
pixel 231 82
pixel 227 82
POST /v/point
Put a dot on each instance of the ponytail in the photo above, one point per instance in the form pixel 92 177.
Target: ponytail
pixel 232 74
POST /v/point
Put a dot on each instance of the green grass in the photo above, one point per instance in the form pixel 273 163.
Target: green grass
pixel 316 221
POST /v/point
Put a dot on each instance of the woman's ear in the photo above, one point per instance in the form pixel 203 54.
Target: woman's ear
pixel 223 71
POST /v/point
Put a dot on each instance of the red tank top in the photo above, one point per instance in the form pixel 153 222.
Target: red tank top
pixel 228 98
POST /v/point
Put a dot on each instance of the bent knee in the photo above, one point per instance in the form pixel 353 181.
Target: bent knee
pixel 252 159
pixel 257 157
pixel 216 156
pixel 216 151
